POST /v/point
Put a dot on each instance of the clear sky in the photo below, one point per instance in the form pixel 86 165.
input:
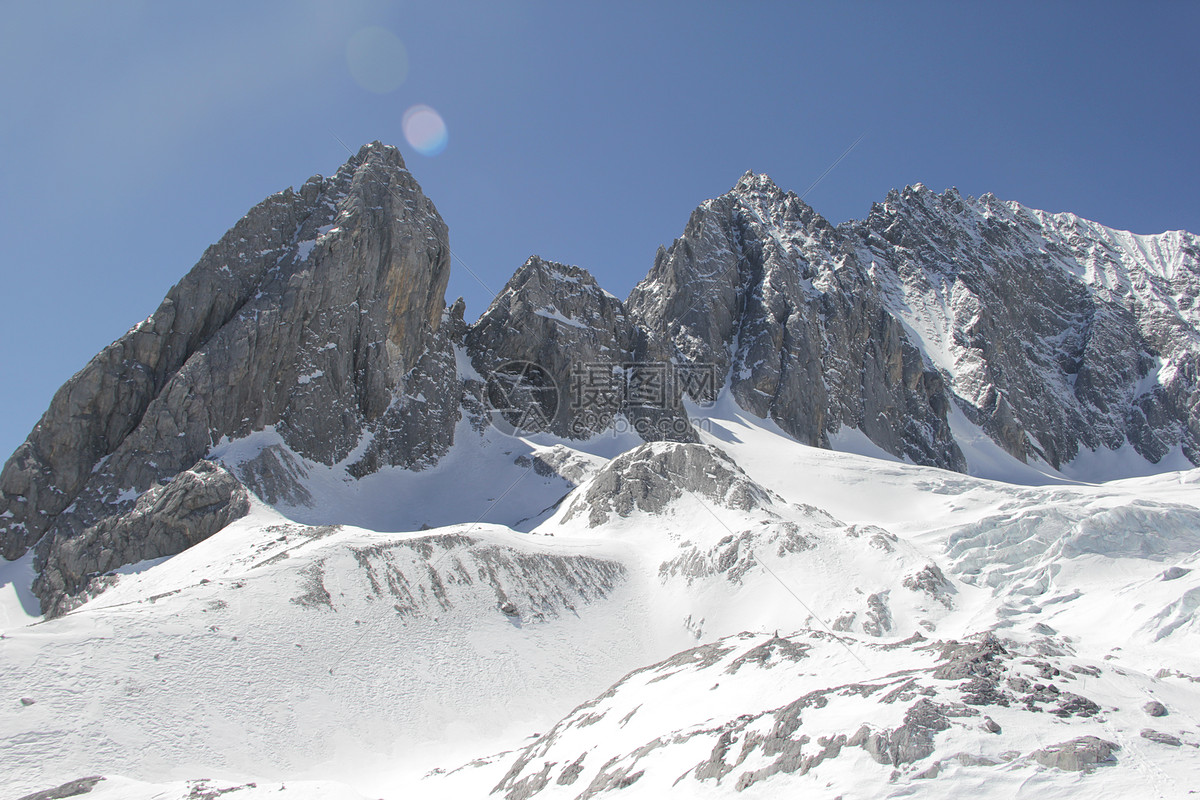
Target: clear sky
pixel 133 134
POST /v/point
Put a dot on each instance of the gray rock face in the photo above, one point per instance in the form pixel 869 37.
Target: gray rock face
pixel 318 314
pixel 557 317
pixel 1161 738
pixel 426 575
pixel 276 477
pixel 568 464
pixel 878 617
pixel 934 583
pixel 911 741
pixel 651 477
pixel 1078 755
pixel 1155 709
pixel 69 789
pixel 1174 573
pixel 166 520
pixel 1054 334
pixel 764 288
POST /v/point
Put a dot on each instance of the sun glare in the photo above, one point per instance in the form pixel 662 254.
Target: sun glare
pixel 425 130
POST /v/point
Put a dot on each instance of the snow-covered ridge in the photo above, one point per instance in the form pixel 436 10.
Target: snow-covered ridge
pixel 1058 335
pixel 364 659
pixel 870 563
pixel 742 715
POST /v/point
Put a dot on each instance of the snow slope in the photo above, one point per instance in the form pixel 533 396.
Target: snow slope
pixel 345 661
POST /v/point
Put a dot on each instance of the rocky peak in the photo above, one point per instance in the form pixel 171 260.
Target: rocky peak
pixel 756 183
pixel 557 317
pixel 764 289
pixel 917 191
pixel 651 477
pixel 327 298
pixel 550 284
pixel 1054 334
pixel 321 316
pixel 1047 327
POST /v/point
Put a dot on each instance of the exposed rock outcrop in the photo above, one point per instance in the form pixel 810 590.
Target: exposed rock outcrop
pixel 768 291
pixel 1161 738
pixel 166 520
pixel 319 319
pixel 651 477
pixel 317 314
pixel 806 731
pixel 911 741
pixel 1056 335
pixel 597 362
pixel 1155 709
pixel 73 788
pixel 1078 755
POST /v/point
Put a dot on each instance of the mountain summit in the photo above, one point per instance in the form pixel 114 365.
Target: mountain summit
pixel 1058 337
pixel 773 524
pixel 937 322
pixel 317 315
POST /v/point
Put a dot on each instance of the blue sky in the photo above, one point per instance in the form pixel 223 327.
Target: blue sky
pixel 133 134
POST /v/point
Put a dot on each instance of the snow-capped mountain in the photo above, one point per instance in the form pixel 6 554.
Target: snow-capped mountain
pixel 805 513
pixel 307 317
pixel 1064 340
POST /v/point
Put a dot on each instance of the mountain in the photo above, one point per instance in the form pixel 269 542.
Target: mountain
pixel 1100 352
pixel 761 287
pixel 816 508
pixel 316 316
pixel 557 317
pixel 727 613
pixel 1060 338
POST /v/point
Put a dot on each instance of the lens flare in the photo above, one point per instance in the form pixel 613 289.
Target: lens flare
pixel 425 130
pixel 377 59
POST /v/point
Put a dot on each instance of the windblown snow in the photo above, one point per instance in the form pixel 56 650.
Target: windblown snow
pixel 745 616
pixel 418 605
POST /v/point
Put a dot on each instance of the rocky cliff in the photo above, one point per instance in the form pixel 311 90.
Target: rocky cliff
pixel 764 288
pixel 320 317
pixel 1057 336
pixel 597 365
pixel 317 314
